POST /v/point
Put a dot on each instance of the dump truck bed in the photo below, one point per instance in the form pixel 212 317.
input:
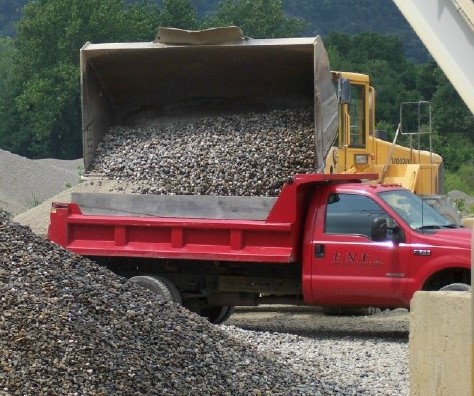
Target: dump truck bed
pixel 122 80
pixel 200 228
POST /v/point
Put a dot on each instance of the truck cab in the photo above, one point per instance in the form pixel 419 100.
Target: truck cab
pixel 377 245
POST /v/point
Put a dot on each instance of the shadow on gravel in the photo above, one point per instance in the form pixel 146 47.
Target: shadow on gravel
pixel 336 334
pixel 312 323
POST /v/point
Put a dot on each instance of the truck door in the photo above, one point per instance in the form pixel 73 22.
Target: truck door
pixel 350 265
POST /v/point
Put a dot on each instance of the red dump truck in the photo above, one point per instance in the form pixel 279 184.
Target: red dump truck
pixel 326 240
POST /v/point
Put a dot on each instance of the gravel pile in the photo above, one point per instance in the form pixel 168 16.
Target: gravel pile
pixel 26 183
pixel 70 327
pixel 244 154
pixel 464 202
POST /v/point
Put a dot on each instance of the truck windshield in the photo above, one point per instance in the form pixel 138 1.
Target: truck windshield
pixel 416 213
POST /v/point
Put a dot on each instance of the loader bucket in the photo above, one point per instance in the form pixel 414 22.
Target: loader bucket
pixel 121 80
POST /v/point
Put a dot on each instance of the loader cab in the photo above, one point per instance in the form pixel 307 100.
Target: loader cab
pixel 361 149
pixel 356 112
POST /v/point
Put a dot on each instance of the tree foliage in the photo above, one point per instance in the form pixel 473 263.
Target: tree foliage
pixel 381 57
pixel 356 17
pixel 322 16
pixel 8 84
pixel 7 53
pixel 257 18
pixel 454 139
pixel 46 104
pixel 178 14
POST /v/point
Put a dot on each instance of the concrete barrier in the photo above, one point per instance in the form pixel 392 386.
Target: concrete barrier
pixel 440 344
pixel 468 222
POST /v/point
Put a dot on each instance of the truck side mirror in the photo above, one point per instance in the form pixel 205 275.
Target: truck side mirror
pixel 396 234
pixel 379 229
pixel 384 230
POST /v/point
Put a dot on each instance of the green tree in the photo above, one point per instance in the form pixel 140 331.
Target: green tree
pixel 178 14
pixel 381 57
pixel 454 126
pixel 452 114
pixel 426 79
pixel 7 53
pixel 46 107
pixel 8 84
pixel 257 18
pixel 462 179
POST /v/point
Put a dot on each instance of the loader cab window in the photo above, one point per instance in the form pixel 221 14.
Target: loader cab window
pixel 357 117
pixel 351 214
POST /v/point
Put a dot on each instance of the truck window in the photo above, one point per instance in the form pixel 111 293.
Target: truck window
pixel 351 214
pixel 357 116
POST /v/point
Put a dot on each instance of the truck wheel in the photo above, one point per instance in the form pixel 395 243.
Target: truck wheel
pixel 217 314
pixel 350 311
pixel 456 287
pixel 160 286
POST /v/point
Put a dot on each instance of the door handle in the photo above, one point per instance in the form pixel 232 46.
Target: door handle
pixel 318 250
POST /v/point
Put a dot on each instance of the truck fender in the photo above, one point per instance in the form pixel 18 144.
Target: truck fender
pixel 421 279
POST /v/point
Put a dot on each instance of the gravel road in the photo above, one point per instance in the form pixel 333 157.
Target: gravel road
pixel 366 355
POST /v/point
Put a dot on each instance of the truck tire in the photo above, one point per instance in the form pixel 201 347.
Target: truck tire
pixel 217 314
pixel 160 286
pixel 456 287
pixel 350 311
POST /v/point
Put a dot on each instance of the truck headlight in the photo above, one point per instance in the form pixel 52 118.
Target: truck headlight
pixel 361 159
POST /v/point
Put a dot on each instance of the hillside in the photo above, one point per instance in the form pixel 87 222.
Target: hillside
pixel 10 12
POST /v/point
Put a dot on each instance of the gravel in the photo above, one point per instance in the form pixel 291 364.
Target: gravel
pixel 70 327
pixel 240 154
pixel 349 366
pixel 26 183
pixel 464 202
